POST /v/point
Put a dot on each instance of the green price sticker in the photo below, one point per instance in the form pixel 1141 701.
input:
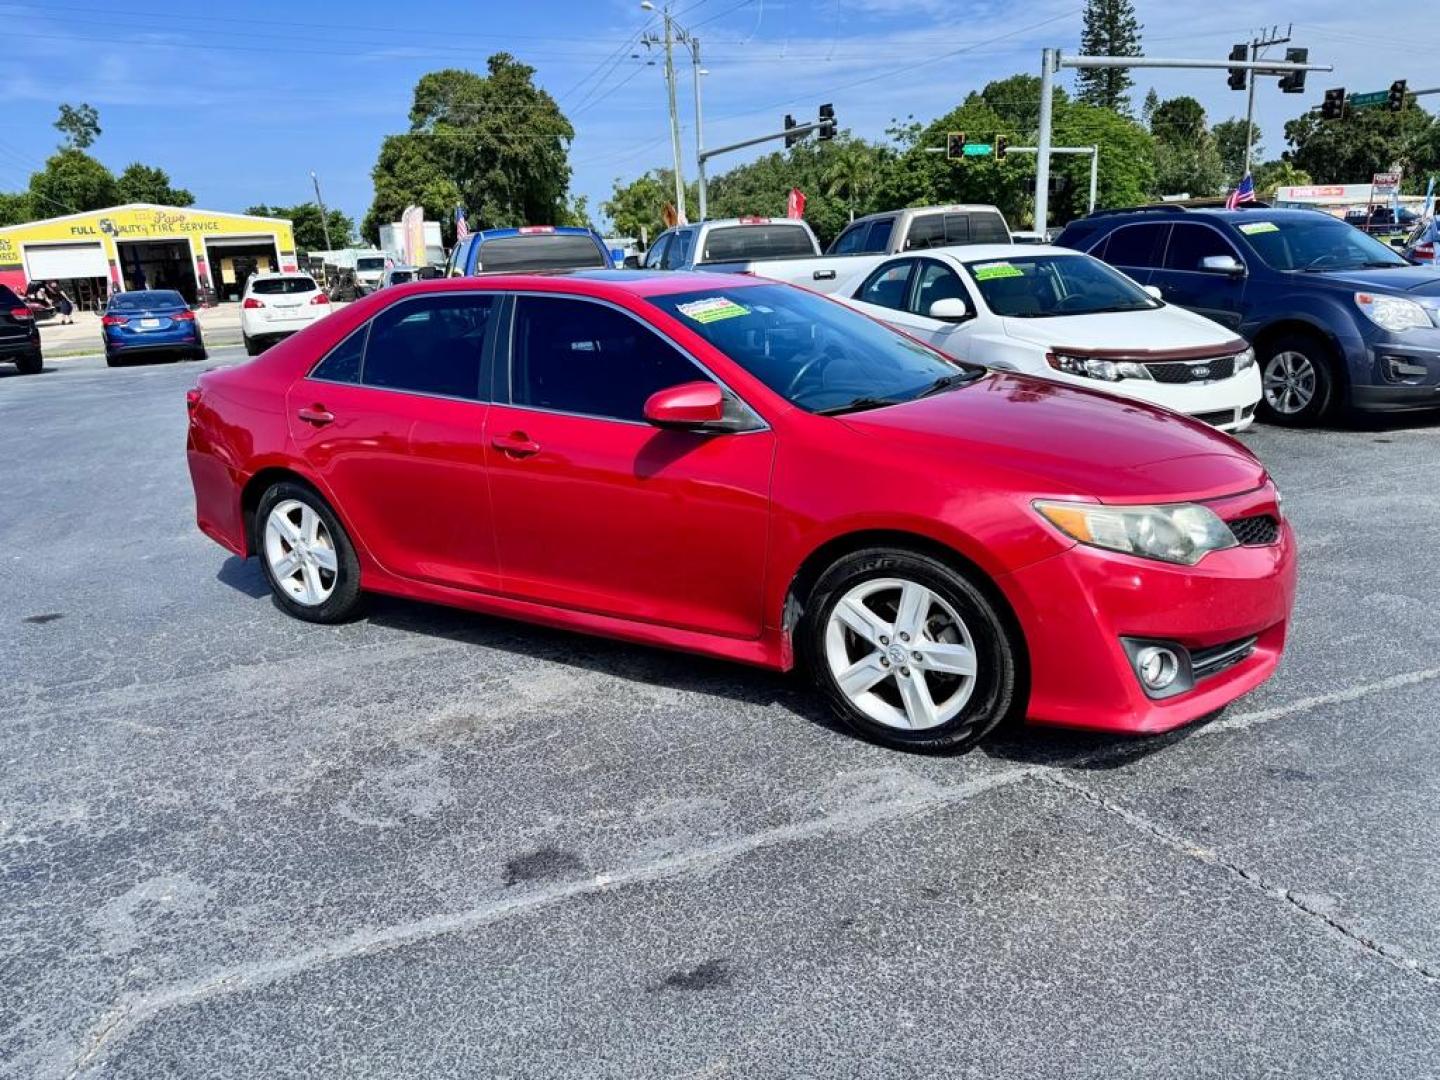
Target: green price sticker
pixel 712 309
pixel 1253 227
pixel 991 271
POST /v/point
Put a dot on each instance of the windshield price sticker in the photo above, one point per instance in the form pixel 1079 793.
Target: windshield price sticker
pixel 991 271
pixel 1251 228
pixel 712 309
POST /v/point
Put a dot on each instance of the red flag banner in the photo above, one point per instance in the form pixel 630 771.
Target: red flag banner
pixel 795 203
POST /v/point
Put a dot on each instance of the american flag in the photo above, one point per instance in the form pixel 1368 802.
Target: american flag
pixel 1243 193
pixel 462 227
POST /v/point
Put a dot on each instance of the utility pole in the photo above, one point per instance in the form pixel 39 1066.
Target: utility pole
pixel 1258 45
pixel 1048 59
pixel 324 218
pixel 668 39
pixel 697 71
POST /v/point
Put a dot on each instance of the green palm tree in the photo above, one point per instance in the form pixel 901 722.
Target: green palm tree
pixel 850 172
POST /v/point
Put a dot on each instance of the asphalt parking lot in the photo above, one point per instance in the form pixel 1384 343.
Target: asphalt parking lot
pixel 432 844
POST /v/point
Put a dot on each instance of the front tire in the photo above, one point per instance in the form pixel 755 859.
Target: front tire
pixel 1298 380
pixel 307 556
pixel 909 652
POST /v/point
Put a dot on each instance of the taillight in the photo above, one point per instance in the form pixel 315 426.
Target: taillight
pixel 1425 251
pixel 320 298
pixel 192 399
pixel 113 320
pixel 21 313
pixel 184 316
pixel 251 303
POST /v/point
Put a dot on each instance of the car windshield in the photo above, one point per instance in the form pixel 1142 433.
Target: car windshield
pixel 1315 243
pixel 814 352
pixel 281 286
pixel 374 263
pixel 150 298
pixel 1046 286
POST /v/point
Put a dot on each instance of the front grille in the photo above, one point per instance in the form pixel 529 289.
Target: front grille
pixel 1222 367
pixel 1255 531
pixel 1215 419
pixel 1217 658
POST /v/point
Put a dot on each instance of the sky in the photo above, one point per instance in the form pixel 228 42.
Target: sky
pixel 240 102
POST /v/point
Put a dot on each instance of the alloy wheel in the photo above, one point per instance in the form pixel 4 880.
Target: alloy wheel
pixel 900 653
pixel 1289 382
pixel 301 552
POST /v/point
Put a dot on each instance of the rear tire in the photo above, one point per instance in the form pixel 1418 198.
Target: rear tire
pixel 1298 380
pixel 252 347
pixel 306 555
pixel 909 652
pixel 30 365
pixel 114 361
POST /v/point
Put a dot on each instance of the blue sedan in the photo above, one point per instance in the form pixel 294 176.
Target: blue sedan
pixel 150 321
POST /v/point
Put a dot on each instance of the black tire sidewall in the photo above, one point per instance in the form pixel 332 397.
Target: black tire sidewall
pixel 344 601
pixel 994 698
pixel 1321 357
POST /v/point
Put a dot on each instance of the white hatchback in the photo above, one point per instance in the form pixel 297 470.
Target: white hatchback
pixel 1062 315
pixel 274 306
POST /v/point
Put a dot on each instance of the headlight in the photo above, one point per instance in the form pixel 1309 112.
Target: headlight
pixel 1392 312
pixel 1091 367
pixel 1183 533
pixel 1244 360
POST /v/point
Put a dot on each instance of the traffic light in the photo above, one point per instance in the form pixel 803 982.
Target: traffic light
pixel 790 140
pixel 955 145
pixel 1002 144
pixel 1237 75
pixel 827 121
pixel 1334 105
pixel 1396 101
pixel 1293 82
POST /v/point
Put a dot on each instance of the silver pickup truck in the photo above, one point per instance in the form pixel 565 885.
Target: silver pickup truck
pixel 785 249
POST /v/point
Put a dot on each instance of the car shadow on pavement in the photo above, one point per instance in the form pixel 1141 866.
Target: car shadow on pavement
pixel 243 575
pixel 1092 751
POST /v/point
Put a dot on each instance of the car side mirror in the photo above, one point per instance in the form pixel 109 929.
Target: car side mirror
pixel 689 406
pixel 1223 264
pixel 631 262
pixel 1154 291
pixel 950 309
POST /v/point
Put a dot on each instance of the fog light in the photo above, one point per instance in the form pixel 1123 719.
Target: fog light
pixel 1157 666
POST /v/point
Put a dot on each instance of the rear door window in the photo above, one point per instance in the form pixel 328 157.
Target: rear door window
pixel 342 363
pixel 1136 245
pixel 877 240
pixel 430 345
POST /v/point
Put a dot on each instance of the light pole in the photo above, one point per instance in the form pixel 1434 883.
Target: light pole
pixel 698 71
pixel 324 219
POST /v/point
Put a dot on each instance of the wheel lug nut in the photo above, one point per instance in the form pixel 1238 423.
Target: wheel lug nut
pixel 905 671
pixel 904 636
pixel 884 640
pixel 916 657
pixel 884 661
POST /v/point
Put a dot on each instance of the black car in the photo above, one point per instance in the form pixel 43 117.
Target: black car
pixel 1337 318
pixel 19 336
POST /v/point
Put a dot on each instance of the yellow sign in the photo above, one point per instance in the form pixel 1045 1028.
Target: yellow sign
pixel 141 223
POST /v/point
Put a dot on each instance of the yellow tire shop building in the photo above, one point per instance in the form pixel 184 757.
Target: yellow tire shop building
pixel 205 255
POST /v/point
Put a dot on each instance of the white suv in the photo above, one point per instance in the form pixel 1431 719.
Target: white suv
pixel 274 306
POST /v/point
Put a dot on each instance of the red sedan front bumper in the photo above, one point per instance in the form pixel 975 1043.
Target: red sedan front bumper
pixel 1076 607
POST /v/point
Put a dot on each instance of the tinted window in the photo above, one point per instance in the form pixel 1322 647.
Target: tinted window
pixel 926 232
pixel 1077 235
pixel 888 286
pixel 540 251
pixel 429 346
pixel 877 240
pixel 756 242
pixel 281 286
pixel 657 251
pixel 1315 242
pixel 810 350
pixel 342 363
pixel 580 357
pixel 150 298
pixel 375 262
pixel 8 298
pixel 399 277
pixel 937 282
pixel 986 228
pixel 1042 286
pixel 678 253
pixel 1191 243
pixel 851 241
pixel 1136 245
pixel 456 266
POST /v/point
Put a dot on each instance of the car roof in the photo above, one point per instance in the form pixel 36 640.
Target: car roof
pixel 1201 213
pixel 968 253
pixel 600 283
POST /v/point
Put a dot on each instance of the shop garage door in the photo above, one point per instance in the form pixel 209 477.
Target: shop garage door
pixel 44 262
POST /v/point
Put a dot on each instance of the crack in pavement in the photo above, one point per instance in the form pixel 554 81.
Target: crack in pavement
pixel 1210 857
pixel 130 1013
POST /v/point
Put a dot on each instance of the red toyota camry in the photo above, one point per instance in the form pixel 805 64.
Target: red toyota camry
pixel 751 471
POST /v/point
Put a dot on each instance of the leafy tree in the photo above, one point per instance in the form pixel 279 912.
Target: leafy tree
pixel 80 126
pixel 71 182
pixel 147 184
pixel 1230 141
pixel 309 232
pixel 639 206
pixel 1178 119
pixel 1278 173
pixel 1187 160
pixel 1147 110
pixel 14 208
pixel 494 143
pixel 577 213
pixel 851 172
pixel 1367 141
pixel 1110 30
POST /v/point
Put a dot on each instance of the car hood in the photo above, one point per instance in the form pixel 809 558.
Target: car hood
pixel 1068 441
pixel 1420 280
pixel 1159 330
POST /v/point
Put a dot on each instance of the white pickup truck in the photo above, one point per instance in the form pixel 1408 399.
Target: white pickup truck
pixel 786 250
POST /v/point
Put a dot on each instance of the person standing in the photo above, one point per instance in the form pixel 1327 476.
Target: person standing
pixel 62 302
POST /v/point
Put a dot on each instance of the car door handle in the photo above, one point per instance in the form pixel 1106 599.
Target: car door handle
pixel 823 275
pixel 517 444
pixel 316 414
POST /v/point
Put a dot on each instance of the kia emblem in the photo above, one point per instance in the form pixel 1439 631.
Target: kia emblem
pixel 1199 371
